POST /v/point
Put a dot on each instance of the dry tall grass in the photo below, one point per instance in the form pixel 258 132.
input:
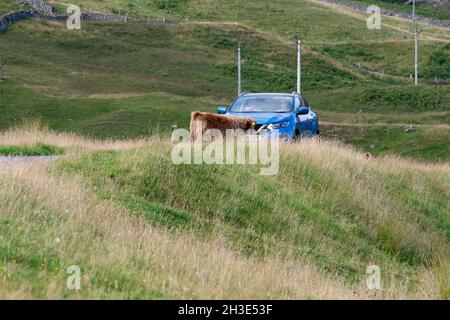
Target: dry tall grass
pixel 32 133
pixel 122 256
pixel 364 189
pixel 100 237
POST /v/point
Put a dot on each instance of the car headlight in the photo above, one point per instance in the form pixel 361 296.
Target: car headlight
pixel 278 125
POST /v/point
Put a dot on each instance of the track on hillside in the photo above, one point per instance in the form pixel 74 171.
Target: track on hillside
pixel 27 159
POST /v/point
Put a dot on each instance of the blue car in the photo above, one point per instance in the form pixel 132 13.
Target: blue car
pixel 287 115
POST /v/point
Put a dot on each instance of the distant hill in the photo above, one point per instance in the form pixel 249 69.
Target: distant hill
pixel 438 9
pixel 129 80
pixel 141 227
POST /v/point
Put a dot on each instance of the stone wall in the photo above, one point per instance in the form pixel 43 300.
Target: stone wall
pixel 10 18
pixel 388 12
pixel 48 11
pixel 44 10
pixel 124 19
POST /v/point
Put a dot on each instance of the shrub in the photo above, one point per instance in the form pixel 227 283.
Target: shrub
pixel 224 43
pixel 37 150
pixel 408 98
pixel 170 5
pixel 439 64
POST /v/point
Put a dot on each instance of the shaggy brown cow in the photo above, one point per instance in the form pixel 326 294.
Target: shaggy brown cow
pixel 217 121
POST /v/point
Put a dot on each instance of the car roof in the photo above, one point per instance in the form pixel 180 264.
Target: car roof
pixel 283 94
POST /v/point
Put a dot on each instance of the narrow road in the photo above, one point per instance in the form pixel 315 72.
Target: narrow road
pixel 27 159
pixel 382 124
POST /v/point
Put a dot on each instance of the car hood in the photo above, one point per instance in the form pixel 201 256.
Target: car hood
pixel 264 118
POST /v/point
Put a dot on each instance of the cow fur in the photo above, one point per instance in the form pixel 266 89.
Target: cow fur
pixel 202 121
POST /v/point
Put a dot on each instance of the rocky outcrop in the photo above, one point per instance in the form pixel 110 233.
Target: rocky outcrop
pixel 40 6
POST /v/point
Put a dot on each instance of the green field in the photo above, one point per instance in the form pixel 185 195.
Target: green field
pixel 258 224
pixel 101 82
pixel 108 96
pixel 395 58
pixel 140 227
pixel 36 150
pixel 442 11
pixel 8 6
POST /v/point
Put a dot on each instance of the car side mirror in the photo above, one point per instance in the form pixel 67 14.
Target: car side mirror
pixel 302 110
pixel 222 110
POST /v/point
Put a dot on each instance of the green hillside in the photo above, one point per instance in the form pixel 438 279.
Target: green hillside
pixel 103 82
pixel 8 6
pixel 431 9
pixel 141 227
pixel 321 215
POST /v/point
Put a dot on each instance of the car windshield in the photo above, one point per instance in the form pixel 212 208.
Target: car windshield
pixel 262 104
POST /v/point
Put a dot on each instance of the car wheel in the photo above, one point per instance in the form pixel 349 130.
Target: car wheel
pixel 297 137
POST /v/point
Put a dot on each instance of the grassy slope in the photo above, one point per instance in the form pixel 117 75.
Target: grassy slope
pixel 376 126
pixel 317 208
pixel 413 145
pixel 57 223
pixel 394 58
pixel 250 236
pixel 422 8
pixel 328 207
pixel 307 19
pixel 34 150
pixel 8 6
pixel 304 208
pixel 105 83
pixel 93 86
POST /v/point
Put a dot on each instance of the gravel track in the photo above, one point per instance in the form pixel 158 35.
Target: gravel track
pixel 27 159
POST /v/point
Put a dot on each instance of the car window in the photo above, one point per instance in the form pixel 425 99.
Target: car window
pixel 305 103
pixel 262 103
pixel 298 102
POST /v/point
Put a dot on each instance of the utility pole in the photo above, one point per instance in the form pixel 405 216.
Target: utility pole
pixel 239 68
pixel 299 67
pixel 416 46
pixel 416 56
